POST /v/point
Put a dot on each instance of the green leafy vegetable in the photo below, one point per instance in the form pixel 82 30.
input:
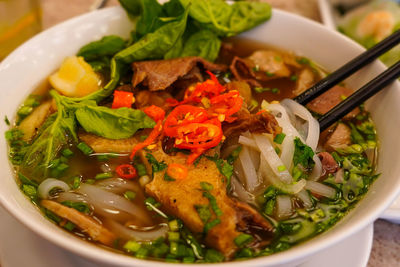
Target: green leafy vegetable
pixel 112 123
pixel 204 43
pixel 52 136
pixel 303 154
pixel 204 212
pixel 79 206
pixel 99 53
pixel 155 165
pixel 228 20
pixel 17 146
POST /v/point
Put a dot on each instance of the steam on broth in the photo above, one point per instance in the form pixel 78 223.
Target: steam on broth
pixel 187 160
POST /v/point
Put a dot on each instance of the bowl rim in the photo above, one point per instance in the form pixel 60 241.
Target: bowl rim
pixel 98 254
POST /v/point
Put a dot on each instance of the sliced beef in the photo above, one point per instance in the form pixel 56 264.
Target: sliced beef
pixel 331 98
pixel 264 122
pixel 329 164
pixel 180 197
pixel 146 98
pixel 339 138
pixel 304 81
pixel 160 74
pixel 262 65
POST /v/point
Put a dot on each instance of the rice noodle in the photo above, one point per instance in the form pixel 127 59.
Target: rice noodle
pixel 137 235
pixel 118 185
pixel 248 142
pixel 269 154
pixel 249 170
pixel 283 206
pixel 317 170
pixel 313 125
pixel 50 184
pixel 270 177
pixel 241 192
pixel 104 200
pixel 305 198
pixel 320 189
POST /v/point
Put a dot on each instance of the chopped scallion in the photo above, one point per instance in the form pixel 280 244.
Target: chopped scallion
pixel 87 150
pixel 243 239
pixel 132 246
pixel 67 152
pixel 279 138
pixel 103 175
pixel 130 195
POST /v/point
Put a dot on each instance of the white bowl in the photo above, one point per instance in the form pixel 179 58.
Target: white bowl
pixel 27 66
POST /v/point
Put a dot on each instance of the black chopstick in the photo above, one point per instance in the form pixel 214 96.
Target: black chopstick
pixel 348 69
pixel 359 96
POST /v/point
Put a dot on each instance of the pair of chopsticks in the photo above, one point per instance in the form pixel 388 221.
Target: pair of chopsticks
pixel 362 94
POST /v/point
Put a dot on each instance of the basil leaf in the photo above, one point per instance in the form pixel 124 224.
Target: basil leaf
pixel 106 46
pixel 52 136
pixel 303 154
pixel 112 123
pixel 155 45
pixel 228 20
pixel 204 43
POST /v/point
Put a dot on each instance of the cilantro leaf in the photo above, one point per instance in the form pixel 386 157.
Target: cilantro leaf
pixel 303 154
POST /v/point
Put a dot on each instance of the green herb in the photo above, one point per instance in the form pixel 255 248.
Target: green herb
pixel 76 182
pixel 256 68
pixel 174 225
pixel 87 150
pixel 17 146
pixel 69 226
pixel 281 168
pixel 253 105
pixel 130 195
pixel 141 169
pixel 132 246
pixel 279 138
pixel 227 20
pixel 173 236
pixel 213 256
pixel 30 191
pixel 213 203
pixel 106 156
pixel 303 60
pixel 206 186
pixel 234 155
pixel 79 206
pixel 294 78
pixel 277 150
pixel 112 123
pixel 204 212
pixel 203 43
pixel 210 225
pixel 52 136
pixel 103 175
pixel 269 206
pixel 67 152
pixel 223 166
pixel 193 243
pixel 270 74
pixel 155 165
pixel 168 178
pixel 243 239
pixel 25 180
pixel 52 216
pixel 275 91
pixel 90 181
pixel 99 53
pixel 6 120
pixel 303 154
pixel 261 89
pixel 278 58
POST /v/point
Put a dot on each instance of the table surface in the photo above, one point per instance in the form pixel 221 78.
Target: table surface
pixel 386 244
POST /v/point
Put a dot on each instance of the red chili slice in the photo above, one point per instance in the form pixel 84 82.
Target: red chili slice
pixel 226 104
pixel 183 115
pixel 122 99
pixel 149 140
pixel 126 171
pixel 198 135
pixel 154 112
